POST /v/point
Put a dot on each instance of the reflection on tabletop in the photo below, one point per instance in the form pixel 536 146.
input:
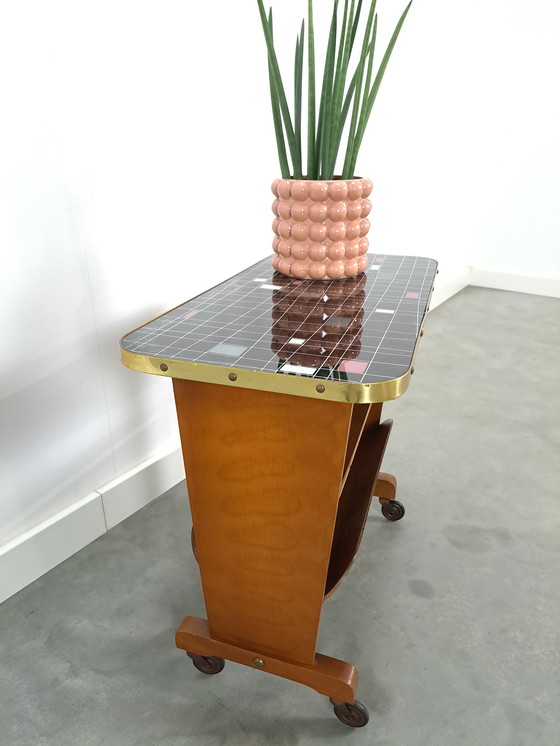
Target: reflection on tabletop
pixel 317 325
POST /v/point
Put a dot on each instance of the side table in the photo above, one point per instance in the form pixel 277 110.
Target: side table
pixel 279 386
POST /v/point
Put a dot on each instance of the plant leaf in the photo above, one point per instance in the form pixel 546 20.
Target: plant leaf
pixel 344 111
pixel 355 26
pixel 277 117
pixel 283 103
pixel 377 82
pixel 298 76
pixel 364 105
pixel 311 162
pixel 357 96
pixel 338 88
pixel 341 113
pixel 326 95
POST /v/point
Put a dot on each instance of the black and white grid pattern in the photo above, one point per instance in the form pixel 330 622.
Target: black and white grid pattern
pixel 231 325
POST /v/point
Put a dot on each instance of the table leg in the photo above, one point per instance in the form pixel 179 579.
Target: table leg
pixel 270 480
pixel 263 474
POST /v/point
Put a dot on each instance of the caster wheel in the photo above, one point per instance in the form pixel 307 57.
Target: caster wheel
pixel 393 510
pixel 207 664
pixel 354 715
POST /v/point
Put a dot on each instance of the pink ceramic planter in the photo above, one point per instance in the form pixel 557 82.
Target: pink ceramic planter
pixel 321 227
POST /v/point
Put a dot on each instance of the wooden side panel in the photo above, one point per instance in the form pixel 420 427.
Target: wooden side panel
pixel 355 500
pixel 263 473
pixel 357 422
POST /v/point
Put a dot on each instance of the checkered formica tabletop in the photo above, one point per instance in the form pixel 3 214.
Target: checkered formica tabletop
pixel 360 331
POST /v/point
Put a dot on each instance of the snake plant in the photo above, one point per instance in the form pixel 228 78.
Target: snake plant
pixel 341 94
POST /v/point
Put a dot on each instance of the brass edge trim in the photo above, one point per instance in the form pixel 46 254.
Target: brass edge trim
pixel 341 391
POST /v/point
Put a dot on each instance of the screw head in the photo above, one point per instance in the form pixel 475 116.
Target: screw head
pixel 164 367
pixel 258 662
pixel 232 377
pixel 320 389
pixel 412 371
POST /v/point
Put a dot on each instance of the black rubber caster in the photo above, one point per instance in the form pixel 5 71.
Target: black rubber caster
pixel 354 715
pixel 207 664
pixel 393 510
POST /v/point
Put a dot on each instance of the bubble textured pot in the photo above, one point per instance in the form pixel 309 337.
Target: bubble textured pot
pixel 321 227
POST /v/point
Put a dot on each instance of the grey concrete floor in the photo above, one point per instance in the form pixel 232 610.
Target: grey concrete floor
pixel 451 615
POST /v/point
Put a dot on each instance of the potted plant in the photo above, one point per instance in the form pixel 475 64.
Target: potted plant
pixel 321 222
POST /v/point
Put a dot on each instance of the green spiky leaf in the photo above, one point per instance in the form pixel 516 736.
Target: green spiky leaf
pixel 280 90
pixel 327 94
pixel 311 161
pixel 277 116
pixel 324 133
pixel 347 168
pixel 298 81
pixel 377 82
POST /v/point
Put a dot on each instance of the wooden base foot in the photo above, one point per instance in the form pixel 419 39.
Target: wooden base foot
pixel 333 678
pixel 385 487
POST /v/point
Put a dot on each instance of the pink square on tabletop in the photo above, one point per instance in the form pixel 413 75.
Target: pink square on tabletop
pixel 352 366
pixel 412 295
pixel 189 314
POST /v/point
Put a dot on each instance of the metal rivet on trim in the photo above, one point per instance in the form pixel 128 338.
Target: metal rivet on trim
pixel 258 662
pixel 164 367
pixel 232 377
pixel 411 371
pixel 320 389
pixel 421 332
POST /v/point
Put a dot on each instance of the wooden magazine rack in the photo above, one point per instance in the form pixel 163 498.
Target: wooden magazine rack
pixel 283 447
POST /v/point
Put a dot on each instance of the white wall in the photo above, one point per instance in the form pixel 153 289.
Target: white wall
pixel 135 139
pixel 469 120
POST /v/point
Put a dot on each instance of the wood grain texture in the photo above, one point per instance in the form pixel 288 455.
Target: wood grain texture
pixel 329 676
pixel 263 473
pixel 357 422
pixel 362 415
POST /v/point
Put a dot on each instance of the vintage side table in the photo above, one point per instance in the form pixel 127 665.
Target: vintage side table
pixel 279 385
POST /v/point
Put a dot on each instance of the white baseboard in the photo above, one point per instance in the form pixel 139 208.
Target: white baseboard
pixel 448 283
pixel 35 552
pixel 517 283
pixel 124 496
pixel 39 550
